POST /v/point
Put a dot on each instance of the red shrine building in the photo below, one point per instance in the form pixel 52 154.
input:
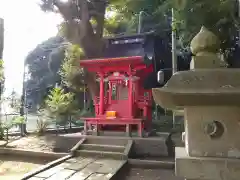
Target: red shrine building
pixel 125 75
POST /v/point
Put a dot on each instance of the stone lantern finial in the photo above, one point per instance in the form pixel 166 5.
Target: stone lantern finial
pixel 205 41
pixel 205 46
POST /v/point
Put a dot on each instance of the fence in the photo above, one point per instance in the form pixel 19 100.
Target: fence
pixel 161 123
pixel 34 123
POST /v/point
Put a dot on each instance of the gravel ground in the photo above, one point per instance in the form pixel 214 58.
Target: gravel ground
pixel 149 174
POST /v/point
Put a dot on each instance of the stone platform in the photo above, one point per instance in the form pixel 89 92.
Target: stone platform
pixel 82 168
pixel 160 145
pixel 100 157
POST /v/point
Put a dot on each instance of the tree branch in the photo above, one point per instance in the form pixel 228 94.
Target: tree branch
pixel 64 9
pixel 100 24
pixel 85 17
pixel 98 12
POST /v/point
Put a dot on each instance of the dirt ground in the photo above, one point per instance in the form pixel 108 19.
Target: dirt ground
pixel 21 166
pixel 36 143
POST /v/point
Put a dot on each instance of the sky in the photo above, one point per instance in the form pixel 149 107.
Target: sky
pixel 26 26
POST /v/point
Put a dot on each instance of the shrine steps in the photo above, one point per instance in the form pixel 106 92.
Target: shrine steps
pixel 159 145
pixel 102 147
pixel 101 140
pixel 101 154
pixel 118 149
pixel 107 155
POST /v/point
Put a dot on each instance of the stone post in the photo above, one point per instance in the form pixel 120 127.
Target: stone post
pixel 210 96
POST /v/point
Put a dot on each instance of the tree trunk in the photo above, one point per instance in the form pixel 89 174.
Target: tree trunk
pixel 93 48
pixel 82 32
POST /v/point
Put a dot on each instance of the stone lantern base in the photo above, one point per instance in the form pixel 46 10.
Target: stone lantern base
pixel 206 168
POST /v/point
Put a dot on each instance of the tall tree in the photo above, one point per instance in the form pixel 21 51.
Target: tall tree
pixel 218 16
pixel 43 64
pixel 83 25
pixel 156 16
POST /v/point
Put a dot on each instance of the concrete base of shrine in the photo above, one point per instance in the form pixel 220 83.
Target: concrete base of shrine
pixel 205 168
pixel 157 146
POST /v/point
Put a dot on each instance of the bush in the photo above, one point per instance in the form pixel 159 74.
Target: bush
pixel 42 125
pixel 6 125
pixel 61 105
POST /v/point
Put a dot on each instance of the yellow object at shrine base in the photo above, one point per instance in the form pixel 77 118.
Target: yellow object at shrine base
pixel 111 114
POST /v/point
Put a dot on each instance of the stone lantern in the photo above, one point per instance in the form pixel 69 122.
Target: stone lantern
pixel 210 96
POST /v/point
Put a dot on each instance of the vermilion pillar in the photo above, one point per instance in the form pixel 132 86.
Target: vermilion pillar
pixel 101 94
pixel 130 95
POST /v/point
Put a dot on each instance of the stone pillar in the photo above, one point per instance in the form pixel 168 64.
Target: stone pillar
pixel 210 96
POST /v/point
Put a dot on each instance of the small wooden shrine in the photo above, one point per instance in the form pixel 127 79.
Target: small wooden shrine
pixel 126 75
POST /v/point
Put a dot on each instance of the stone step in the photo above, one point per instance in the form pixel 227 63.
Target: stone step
pixel 101 154
pixel 106 141
pixel 102 147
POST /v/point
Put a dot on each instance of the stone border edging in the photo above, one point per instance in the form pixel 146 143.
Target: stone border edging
pixel 30 153
pixel 116 172
pixel 76 147
pixel 45 167
pixel 51 131
pixel 151 163
pixel 128 148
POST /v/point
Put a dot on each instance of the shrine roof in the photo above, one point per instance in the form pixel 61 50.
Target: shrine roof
pixel 112 61
pixel 124 36
pixel 126 49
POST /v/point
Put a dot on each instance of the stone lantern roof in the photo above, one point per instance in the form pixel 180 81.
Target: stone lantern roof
pixel 205 87
pixel 207 84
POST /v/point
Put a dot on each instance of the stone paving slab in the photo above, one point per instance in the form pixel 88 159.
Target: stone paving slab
pixel 86 172
pixel 75 159
pixel 80 168
pixel 49 172
pixel 62 175
pixel 109 166
pixel 97 176
pixel 83 163
pixel 36 178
